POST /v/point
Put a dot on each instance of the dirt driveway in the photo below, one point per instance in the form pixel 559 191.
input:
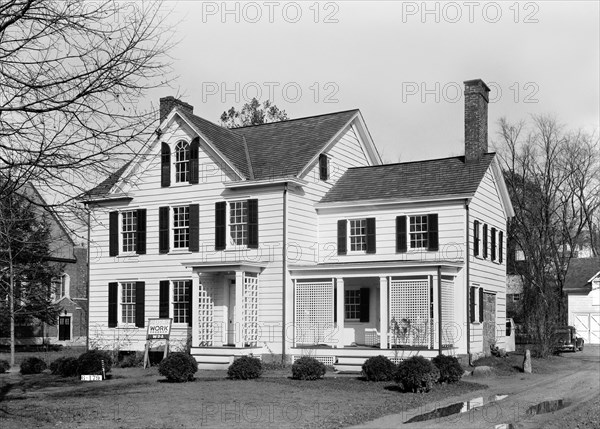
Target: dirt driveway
pixel 572 377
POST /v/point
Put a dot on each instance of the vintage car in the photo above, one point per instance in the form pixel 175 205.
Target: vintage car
pixel 565 339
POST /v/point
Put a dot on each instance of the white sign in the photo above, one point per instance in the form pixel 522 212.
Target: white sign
pixel 91 377
pixel 158 329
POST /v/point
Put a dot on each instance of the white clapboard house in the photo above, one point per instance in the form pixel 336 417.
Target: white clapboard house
pixel 291 238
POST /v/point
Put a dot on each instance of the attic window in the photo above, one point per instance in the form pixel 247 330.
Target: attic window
pixel 182 162
pixel 323 167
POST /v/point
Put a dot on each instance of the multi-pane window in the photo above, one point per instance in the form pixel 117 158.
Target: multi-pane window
pixel 358 235
pixel 238 222
pixel 128 302
pixel 180 301
pixel 182 164
pixel 352 304
pixel 181 227
pixel 418 231
pixel 128 230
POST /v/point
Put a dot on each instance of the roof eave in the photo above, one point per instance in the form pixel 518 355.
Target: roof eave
pixel 265 182
pixel 391 201
pixel 107 198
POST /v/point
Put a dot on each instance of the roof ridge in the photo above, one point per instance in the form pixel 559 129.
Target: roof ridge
pixel 297 119
pixel 413 162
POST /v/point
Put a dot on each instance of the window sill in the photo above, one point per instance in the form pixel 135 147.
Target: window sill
pixel 127 326
pixel 180 325
pixel 179 184
pixel 236 248
pixel 179 252
pixel 128 255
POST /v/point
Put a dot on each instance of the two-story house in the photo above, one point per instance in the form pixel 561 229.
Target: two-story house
pixel 292 238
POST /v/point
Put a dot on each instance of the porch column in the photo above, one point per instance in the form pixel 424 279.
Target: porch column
pixel 383 312
pixel 339 308
pixel 195 309
pixel 239 310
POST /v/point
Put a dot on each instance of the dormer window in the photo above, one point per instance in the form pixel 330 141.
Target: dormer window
pixel 182 162
pixel 323 167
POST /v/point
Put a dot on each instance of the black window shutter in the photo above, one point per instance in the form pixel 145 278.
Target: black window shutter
pixel 323 167
pixel 163 230
pixel 113 294
pixel 401 242
pixel 472 305
pixel 485 240
pixel 189 301
pixel 220 225
pixel 141 232
pixel 432 232
pixel 194 148
pixel 481 304
pixel 371 235
pixel 113 233
pixel 500 245
pixel 253 224
pixel 194 228
pixel 493 244
pixel 140 303
pixel 341 237
pixel 476 238
pixel 165 165
pixel 163 299
pixel 364 304
pixel 335 303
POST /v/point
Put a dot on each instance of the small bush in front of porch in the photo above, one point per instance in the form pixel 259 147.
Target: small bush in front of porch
pixel 178 367
pixel 417 374
pixel 64 366
pixel 308 368
pixel 450 369
pixel 245 368
pixel 379 368
pixel 4 366
pixel 90 362
pixel 33 365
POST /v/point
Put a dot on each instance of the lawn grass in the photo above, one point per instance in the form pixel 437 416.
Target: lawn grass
pixel 47 356
pixel 135 397
pixel 513 363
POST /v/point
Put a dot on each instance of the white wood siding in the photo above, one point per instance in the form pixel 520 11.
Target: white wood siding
pixel 487 209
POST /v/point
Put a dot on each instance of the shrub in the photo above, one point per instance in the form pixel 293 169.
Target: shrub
pixel 450 369
pixel 178 367
pixel 131 360
pixel 4 366
pixel 308 368
pixel 33 365
pixel 64 366
pixel 379 368
pixel 245 368
pixel 416 374
pixel 90 362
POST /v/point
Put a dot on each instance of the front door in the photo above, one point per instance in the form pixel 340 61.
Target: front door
pixel 64 328
pixel 231 314
pixel 489 321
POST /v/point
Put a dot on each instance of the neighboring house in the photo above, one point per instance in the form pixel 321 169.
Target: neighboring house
pixel 582 287
pixel 69 291
pixel 291 238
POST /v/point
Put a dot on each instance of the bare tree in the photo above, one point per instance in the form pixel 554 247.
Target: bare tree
pixel 553 177
pixel 253 113
pixel 73 75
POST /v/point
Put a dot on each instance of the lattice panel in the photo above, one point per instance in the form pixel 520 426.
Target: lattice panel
pixel 313 312
pixel 410 302
pixel 326 360
pixel 448 327
pixel 205 315
pixel 250 310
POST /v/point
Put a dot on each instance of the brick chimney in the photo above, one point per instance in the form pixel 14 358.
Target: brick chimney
pixel 169 103
pixel 476 119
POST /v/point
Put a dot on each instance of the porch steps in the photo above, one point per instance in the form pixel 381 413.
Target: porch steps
pixel 213 361
pixel 349 363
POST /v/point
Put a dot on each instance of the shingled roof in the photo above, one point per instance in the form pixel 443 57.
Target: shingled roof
pixel 410 180
pixel 580 271
pixel 277 149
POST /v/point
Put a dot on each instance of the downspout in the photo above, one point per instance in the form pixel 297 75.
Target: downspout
pixel 439 294
pixel 468 329
pixel 87 283
pixel 284 272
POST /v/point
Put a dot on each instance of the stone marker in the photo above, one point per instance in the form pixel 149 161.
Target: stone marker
pixel 527 362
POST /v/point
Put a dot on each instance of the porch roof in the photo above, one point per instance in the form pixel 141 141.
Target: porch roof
pixel 218 267
pixel 368 267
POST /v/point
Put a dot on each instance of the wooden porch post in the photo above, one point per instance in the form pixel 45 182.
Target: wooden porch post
pixel 339 308
pixel 439 296
pixel 383 312
pixel 239 310
pixel 195 309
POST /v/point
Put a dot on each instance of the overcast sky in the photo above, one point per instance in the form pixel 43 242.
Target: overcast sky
pixel 401 63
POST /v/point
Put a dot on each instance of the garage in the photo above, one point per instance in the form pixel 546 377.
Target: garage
pixel 582 286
